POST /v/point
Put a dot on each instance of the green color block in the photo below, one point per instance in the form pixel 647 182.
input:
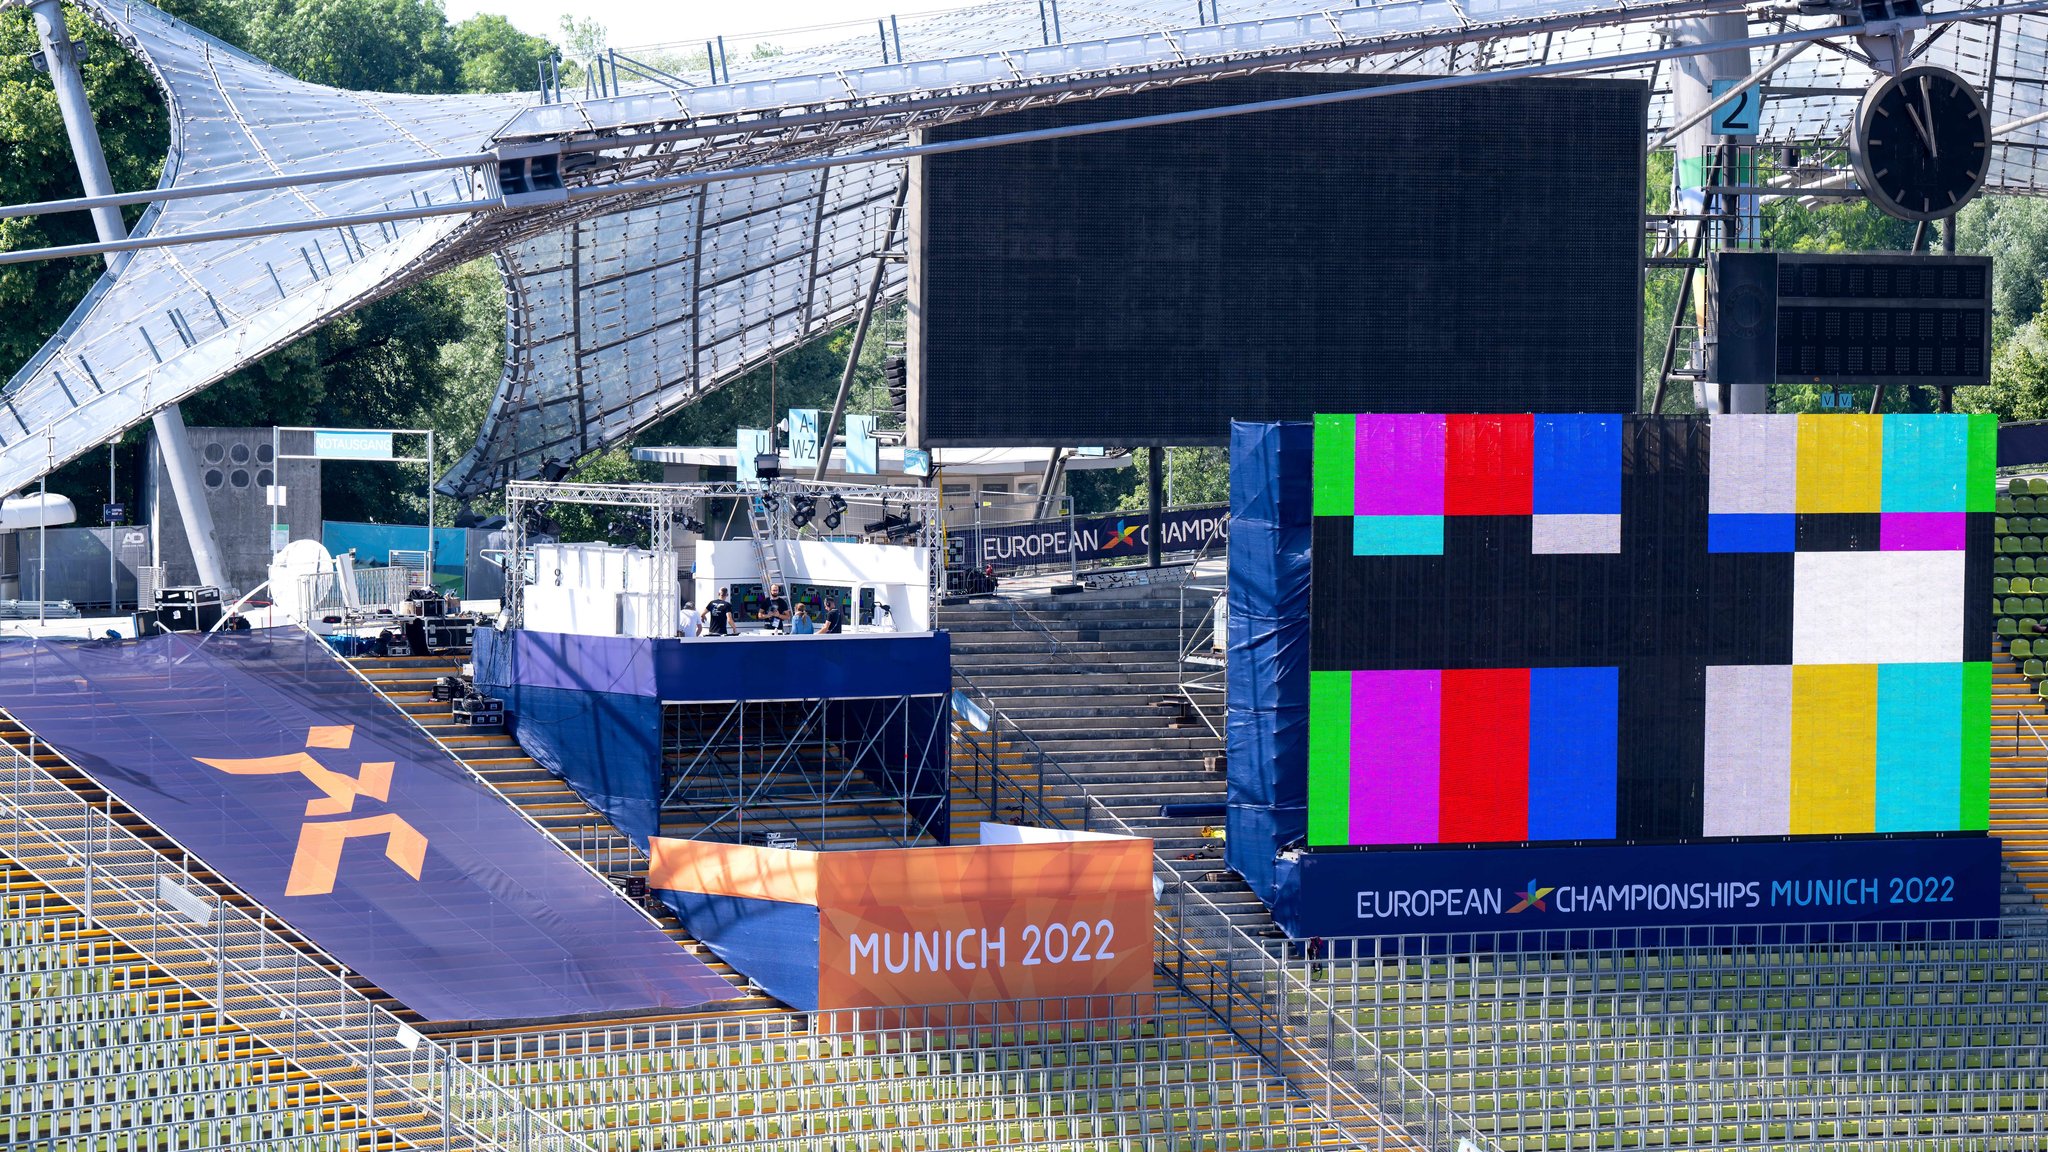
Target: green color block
pixel 1336 465
pixel 1981 486
pixel 1329 757
pixel 1976 757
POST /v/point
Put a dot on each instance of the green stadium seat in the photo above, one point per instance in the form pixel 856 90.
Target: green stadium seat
pixel 2023 504
pixel 2000 585
pixel 2038 485
pixel 2027 626
pixel 2022 648
pixel 1998 525
pixel 2033 670
pixel 2030 606
pixel 2006 627
pixel 2024 565
pixel 2001 564
pixel 2004 503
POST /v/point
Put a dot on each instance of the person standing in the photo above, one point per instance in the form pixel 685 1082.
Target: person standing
pixel 802 624
pixel 835 618
pixel 776 613
pixel 718 614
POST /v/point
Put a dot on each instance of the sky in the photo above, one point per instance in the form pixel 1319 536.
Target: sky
pixel 639 22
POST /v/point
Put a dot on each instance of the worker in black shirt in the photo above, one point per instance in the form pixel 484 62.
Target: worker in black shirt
pixel 718 614
pixel 777 611
pixel 834 620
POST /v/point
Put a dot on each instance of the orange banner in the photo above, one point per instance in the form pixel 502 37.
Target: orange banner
pixel 994 922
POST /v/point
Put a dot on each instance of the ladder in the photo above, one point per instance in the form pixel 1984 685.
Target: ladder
pixel 762 521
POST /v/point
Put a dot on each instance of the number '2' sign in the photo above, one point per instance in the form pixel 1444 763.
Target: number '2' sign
pixel 1741 116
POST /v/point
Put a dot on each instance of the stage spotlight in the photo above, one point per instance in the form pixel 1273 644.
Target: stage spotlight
pixel 466 517
pixel 553 471
pixel 803 509
pixel 688 523
pixel 836 514
pixel 905 528
pixel 768 465
pixel 890 522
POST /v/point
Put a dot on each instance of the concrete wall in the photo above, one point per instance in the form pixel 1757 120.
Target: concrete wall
pixel 234 466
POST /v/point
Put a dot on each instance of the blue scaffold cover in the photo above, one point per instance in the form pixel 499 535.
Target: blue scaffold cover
pixel 1267 636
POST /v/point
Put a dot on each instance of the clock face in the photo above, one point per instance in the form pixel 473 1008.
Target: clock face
pixel 1922 143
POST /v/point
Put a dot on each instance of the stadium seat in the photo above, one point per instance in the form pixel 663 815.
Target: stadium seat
pixel 2001 564
pixel 2023 504
pixel 2006 627
pixel 2024 565
pixel 2032 669
pixel 2004 503
pixel 2000 585
pixel 2038 485
pixel 2022 648
pixel 1998 525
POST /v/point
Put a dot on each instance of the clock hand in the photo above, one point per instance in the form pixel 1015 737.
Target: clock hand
pixel 1926 137
pixel 1927 102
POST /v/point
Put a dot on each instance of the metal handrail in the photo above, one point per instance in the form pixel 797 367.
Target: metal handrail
pixel 1190 639
pixel 1248 1003
pixel 318 1021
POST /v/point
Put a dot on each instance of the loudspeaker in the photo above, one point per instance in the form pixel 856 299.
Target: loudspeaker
pixel 1746 315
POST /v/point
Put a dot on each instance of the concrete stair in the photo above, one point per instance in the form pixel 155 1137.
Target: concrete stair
pixel 2019 785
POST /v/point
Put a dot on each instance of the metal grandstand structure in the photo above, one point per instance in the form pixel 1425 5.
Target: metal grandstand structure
pixel 661 239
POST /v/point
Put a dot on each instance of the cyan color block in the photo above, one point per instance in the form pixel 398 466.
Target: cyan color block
pixel 1926 463
pixel 1577 465
pixel 1919 747
pixel 1397 535
pixel 1752 532
pixel 1573 731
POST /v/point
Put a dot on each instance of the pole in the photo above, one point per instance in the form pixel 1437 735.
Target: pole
pixel 113 570
pixel 169 421
pixel 1154 471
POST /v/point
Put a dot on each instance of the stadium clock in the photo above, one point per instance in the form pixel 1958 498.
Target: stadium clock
pixel 1921 144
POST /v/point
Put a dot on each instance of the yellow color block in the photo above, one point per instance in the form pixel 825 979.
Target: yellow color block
pixel 1841 463
pixel 1834 748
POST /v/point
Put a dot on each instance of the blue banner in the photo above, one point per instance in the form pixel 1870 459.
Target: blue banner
pixel 753 442
pixel 862 457
pixel 278 766
pixel 1378 892
pixel 803 437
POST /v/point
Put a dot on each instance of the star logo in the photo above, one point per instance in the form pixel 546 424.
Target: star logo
pixel 1532 897
pixel 1125 537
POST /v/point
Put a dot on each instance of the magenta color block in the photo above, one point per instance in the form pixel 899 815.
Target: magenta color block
pixel 1923 531
pixel 1400 465
pixel 1395 720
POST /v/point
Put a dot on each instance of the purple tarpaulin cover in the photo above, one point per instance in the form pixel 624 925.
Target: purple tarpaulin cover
pixel 264 756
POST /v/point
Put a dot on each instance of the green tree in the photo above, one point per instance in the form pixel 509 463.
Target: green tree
pixel 369 45
pixel 496 57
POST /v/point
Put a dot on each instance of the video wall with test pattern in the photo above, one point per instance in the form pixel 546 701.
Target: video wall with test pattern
pixel 1605 627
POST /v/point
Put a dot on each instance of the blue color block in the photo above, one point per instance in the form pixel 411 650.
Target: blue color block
pixel 1577 465
pixel 1919 747
pixel 1397 535
pixel 1926 458
pixel 1573 731
pixel 1752 532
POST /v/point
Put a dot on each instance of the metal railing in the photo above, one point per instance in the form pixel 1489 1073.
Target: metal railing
pixel 302 1007
pixel 1198 661
pixel 1237 978
pixel 1888 1023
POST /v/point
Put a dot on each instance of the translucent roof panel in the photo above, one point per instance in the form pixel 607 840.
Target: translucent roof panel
pixel 636 296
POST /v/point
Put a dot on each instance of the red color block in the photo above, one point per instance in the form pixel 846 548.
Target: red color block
pixel 1483 772
pixel 1489 465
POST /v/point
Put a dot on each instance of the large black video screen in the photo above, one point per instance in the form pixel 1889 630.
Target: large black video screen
pixel 1469 249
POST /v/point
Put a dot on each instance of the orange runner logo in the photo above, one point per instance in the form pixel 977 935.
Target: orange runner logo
pixel 320 844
